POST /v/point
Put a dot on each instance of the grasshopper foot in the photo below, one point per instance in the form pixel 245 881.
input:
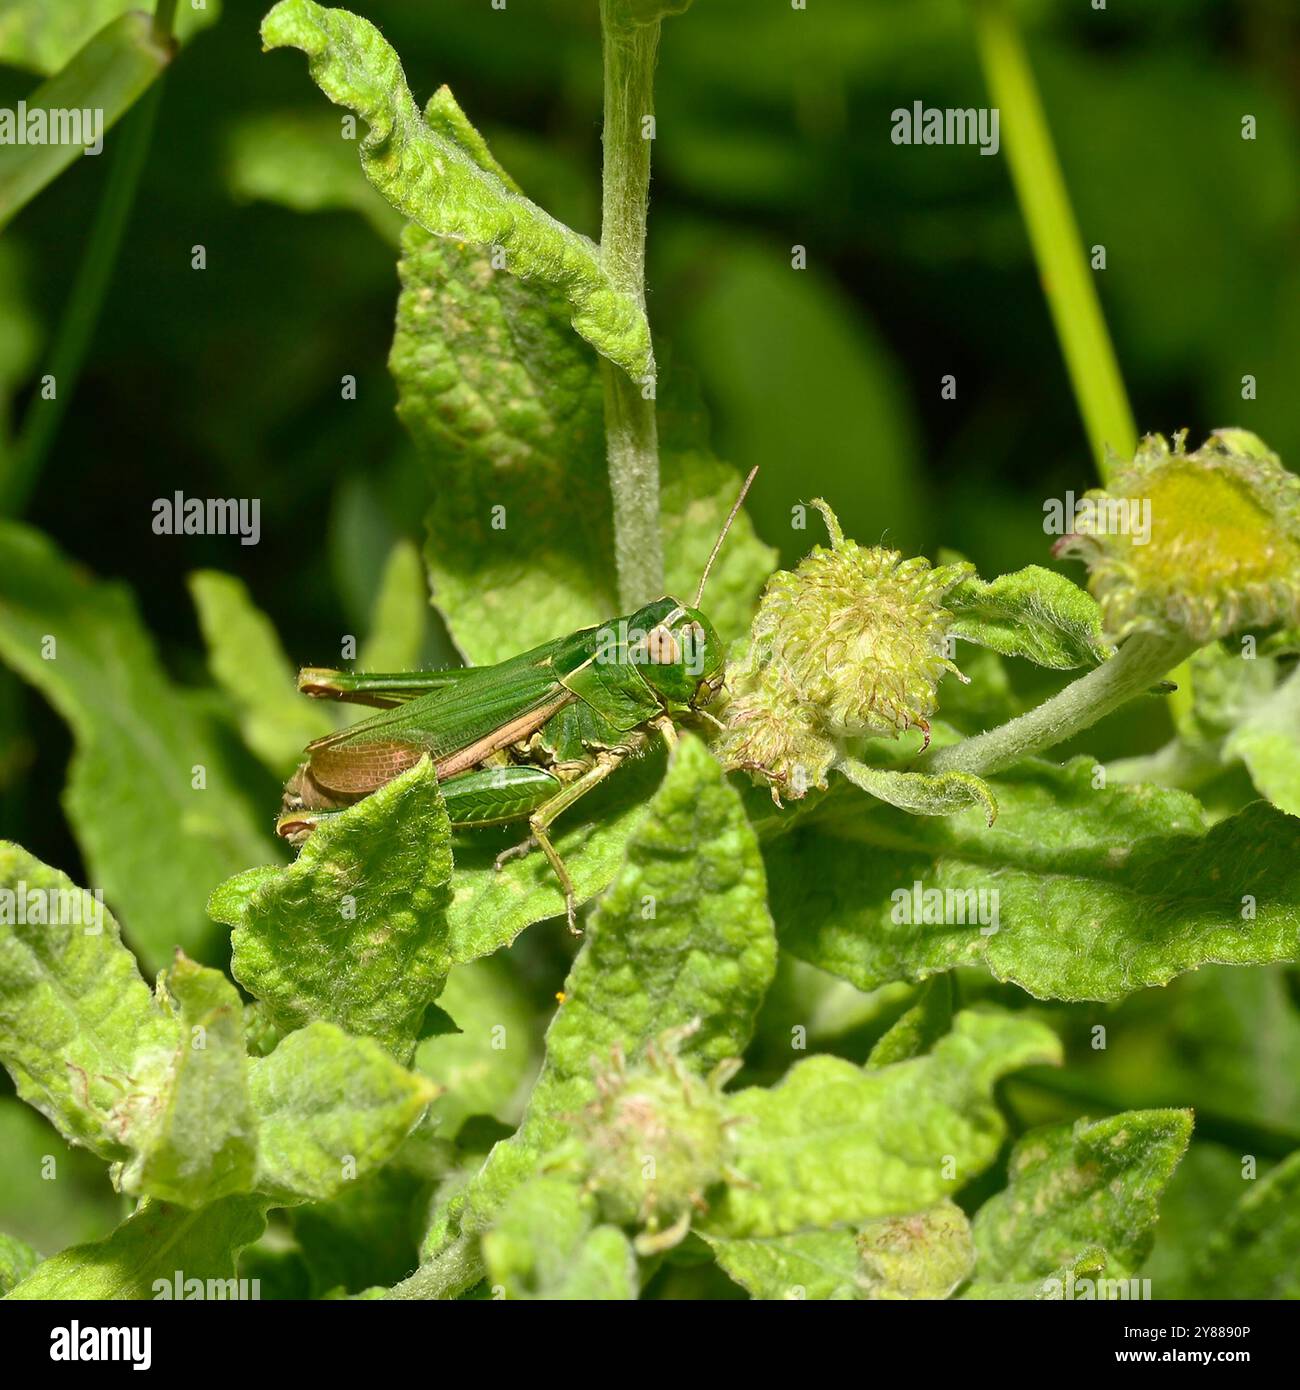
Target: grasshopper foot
pixel 514 852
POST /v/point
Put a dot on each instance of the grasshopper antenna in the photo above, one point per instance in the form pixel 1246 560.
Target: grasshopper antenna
pixel 722 536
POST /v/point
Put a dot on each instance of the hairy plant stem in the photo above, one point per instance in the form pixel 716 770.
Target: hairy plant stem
pixel 1058 249
pixel 632 442
pixel 448 1275
pixel 1142 661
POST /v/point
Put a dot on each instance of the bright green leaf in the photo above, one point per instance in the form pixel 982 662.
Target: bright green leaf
pixel 832 1142
pixel 437 183
pixel 546 1245
pixel 153 841
pixel 507 410
pixel 1073 1186
pixel 140 1259
pixel 921 793
pixel 330 1109
pixel 44 37
pixel 1034 613
pixel 355 931
pixel 1099 891
pixel 195 1141
pixel 1089 1265
pixel 683 933
pixel 17 1260
pixel 814 1265
pixel 78 1026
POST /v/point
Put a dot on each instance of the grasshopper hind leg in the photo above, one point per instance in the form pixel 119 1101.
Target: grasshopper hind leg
pixel 541 820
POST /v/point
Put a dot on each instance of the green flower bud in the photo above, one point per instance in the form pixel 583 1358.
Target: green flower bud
pixel 1219 549
pixel 925 1255
pixel 654 1141
pixel 850 644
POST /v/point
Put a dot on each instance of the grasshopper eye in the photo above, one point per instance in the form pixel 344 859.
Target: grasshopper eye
pixel 662 648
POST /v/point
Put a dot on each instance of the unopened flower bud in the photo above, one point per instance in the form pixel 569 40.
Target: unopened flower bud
pixel 850 644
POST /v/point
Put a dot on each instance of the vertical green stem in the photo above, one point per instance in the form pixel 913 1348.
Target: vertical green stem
pixel 632 442
pixel 1058 248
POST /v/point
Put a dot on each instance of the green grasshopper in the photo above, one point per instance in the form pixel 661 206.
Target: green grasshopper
pixel 526 738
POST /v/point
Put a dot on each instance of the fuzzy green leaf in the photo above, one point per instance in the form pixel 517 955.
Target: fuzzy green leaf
pixel 1034 613
pixel 76 1020
pixel 814 1265
pixel 355 931
pixel 195 1140
pixel 1100 891
pixel 140 1259
pixel 330 1109
pixel 114 69
pixel 683 933
pixel 546 1245
pixel 249 664
pixel 507 409
pixel 832 1142
pixel 921 793
pixel 153 842
pixel 1073 1186
pixel 437 183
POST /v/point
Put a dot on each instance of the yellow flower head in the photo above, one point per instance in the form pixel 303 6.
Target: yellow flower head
pixel 1219 547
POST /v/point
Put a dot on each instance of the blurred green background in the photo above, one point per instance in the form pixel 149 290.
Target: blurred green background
pixel 773 132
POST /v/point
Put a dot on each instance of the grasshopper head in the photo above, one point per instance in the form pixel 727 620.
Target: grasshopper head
pixel 680 656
